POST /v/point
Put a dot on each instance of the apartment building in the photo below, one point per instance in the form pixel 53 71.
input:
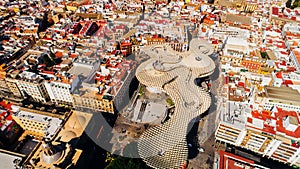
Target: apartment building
pixel 13 87
pixel 38 124
pixel 267 125
pixel 236 47
pixel 3 84
pixel 91 100
pixel 31 84
pixel 59 92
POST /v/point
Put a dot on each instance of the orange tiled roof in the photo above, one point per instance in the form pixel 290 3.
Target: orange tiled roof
pixel 251 65
pixel 279 116
pixel 297 55
pixel 59 54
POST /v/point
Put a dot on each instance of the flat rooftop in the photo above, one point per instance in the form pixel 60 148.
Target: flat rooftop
pixel 53 123
pixel 234 115
pixel 8 158
pixel 282 93
pixel 238 18
pixel 148 112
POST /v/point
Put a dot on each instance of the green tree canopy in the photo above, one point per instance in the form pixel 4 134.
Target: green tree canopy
pixel 128 163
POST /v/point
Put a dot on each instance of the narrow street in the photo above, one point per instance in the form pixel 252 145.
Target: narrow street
pixel 207 126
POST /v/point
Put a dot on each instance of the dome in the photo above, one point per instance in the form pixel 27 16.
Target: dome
pixel 77 122
pixel 81 119
pixel 74 123
pixel 67 135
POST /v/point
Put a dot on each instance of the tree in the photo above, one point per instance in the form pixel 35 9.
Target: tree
pixel 126 163
pixel 296 4
pixel 109 157
pixel 170 102
pixel 288 4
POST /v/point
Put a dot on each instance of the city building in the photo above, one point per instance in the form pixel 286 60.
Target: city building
pixel 9 129
pixel 32 85
pixel 231 161
pixel 89 99
pixel 59 92
pixel 59 151
pixel 10 159
pixel 42 140
pixel 236 47
pixel 267 127
pixel 37 123
pixel 295 58
pixel 80 55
